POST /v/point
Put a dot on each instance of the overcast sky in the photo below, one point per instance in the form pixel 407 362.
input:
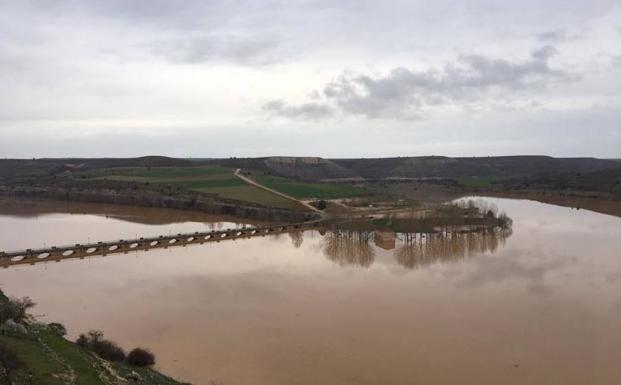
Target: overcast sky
pixel 351 78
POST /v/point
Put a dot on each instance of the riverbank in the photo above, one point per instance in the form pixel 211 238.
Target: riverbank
pixel 122 194
pixel 39 354
pixel 602 203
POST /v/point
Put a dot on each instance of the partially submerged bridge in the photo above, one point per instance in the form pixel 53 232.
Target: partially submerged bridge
pixel 59 253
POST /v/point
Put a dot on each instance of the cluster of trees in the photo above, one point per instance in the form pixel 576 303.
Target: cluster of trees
pixel 94 341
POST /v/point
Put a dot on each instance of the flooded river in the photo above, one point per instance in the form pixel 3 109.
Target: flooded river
pixel 538 305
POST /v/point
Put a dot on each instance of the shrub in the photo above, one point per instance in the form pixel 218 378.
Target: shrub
pixel 57 328
pixel 82 341
pixel 15 309
pixel 11 327
pixel 105 349
pixel 109 351
pixel 140 357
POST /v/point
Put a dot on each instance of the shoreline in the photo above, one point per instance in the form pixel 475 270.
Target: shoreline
pixel 196 203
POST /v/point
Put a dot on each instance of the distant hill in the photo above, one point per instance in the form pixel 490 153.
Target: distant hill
pixel 608 180
pixel 304 168
pixel 319 169
pixel 444 167
pixel 509 171
pixel 25 169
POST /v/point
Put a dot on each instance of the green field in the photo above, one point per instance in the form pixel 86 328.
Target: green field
pixel 476 181
pixel 250 193
pixel 157 173
pixel 206 179
pixel 309 190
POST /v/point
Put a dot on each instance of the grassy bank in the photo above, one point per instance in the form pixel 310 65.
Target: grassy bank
pixel 45 357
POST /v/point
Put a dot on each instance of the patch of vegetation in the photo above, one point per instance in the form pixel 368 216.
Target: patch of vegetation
pixel 206 184
pixel 476 181
pixel 254 194
pixel 140 357
pixel 105 349
pixel 298 189
pixel 206 179
pixel 158 173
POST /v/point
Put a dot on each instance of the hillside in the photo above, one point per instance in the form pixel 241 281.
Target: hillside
pixel 304 168
pixel 26 169
pixel 512 172
pixel 608 180
pixel 426 167
pixel 444 167
pixel 38 354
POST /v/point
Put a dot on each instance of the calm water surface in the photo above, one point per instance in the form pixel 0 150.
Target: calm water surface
pixel 541 306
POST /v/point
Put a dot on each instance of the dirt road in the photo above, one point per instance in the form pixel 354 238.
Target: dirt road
pixel 289 197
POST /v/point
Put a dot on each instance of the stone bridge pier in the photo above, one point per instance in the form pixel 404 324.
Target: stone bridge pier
pixel 58 253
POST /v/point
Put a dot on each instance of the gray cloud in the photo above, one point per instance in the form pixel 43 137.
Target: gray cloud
pixel 490 270
pixel 553 36
pixel 83 70
pixel 402 93
pixel 244 50
pixel 306 111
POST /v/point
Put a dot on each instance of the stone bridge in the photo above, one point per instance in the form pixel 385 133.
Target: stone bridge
pixel 58 253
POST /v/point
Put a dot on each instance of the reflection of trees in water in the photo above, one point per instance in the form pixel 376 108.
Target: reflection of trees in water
pixel 349 247
pixel 297 237
pixel 423 249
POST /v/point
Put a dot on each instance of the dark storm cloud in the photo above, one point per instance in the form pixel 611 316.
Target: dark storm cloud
pixel 401 92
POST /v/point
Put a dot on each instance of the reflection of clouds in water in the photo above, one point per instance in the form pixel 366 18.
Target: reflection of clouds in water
pixel 513 266
pixel 613 277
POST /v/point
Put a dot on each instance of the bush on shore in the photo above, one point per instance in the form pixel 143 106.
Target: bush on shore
pixel 140 357
pixel 15 309
pixel 94 341
pixel 57 328
pixel 105 349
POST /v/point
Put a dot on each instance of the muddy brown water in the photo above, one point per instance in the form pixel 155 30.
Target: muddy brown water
pixel 541 305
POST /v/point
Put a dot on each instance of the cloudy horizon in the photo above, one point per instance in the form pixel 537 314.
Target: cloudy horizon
pixel 309 78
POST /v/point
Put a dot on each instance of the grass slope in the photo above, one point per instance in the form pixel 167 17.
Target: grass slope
pixel 53 360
